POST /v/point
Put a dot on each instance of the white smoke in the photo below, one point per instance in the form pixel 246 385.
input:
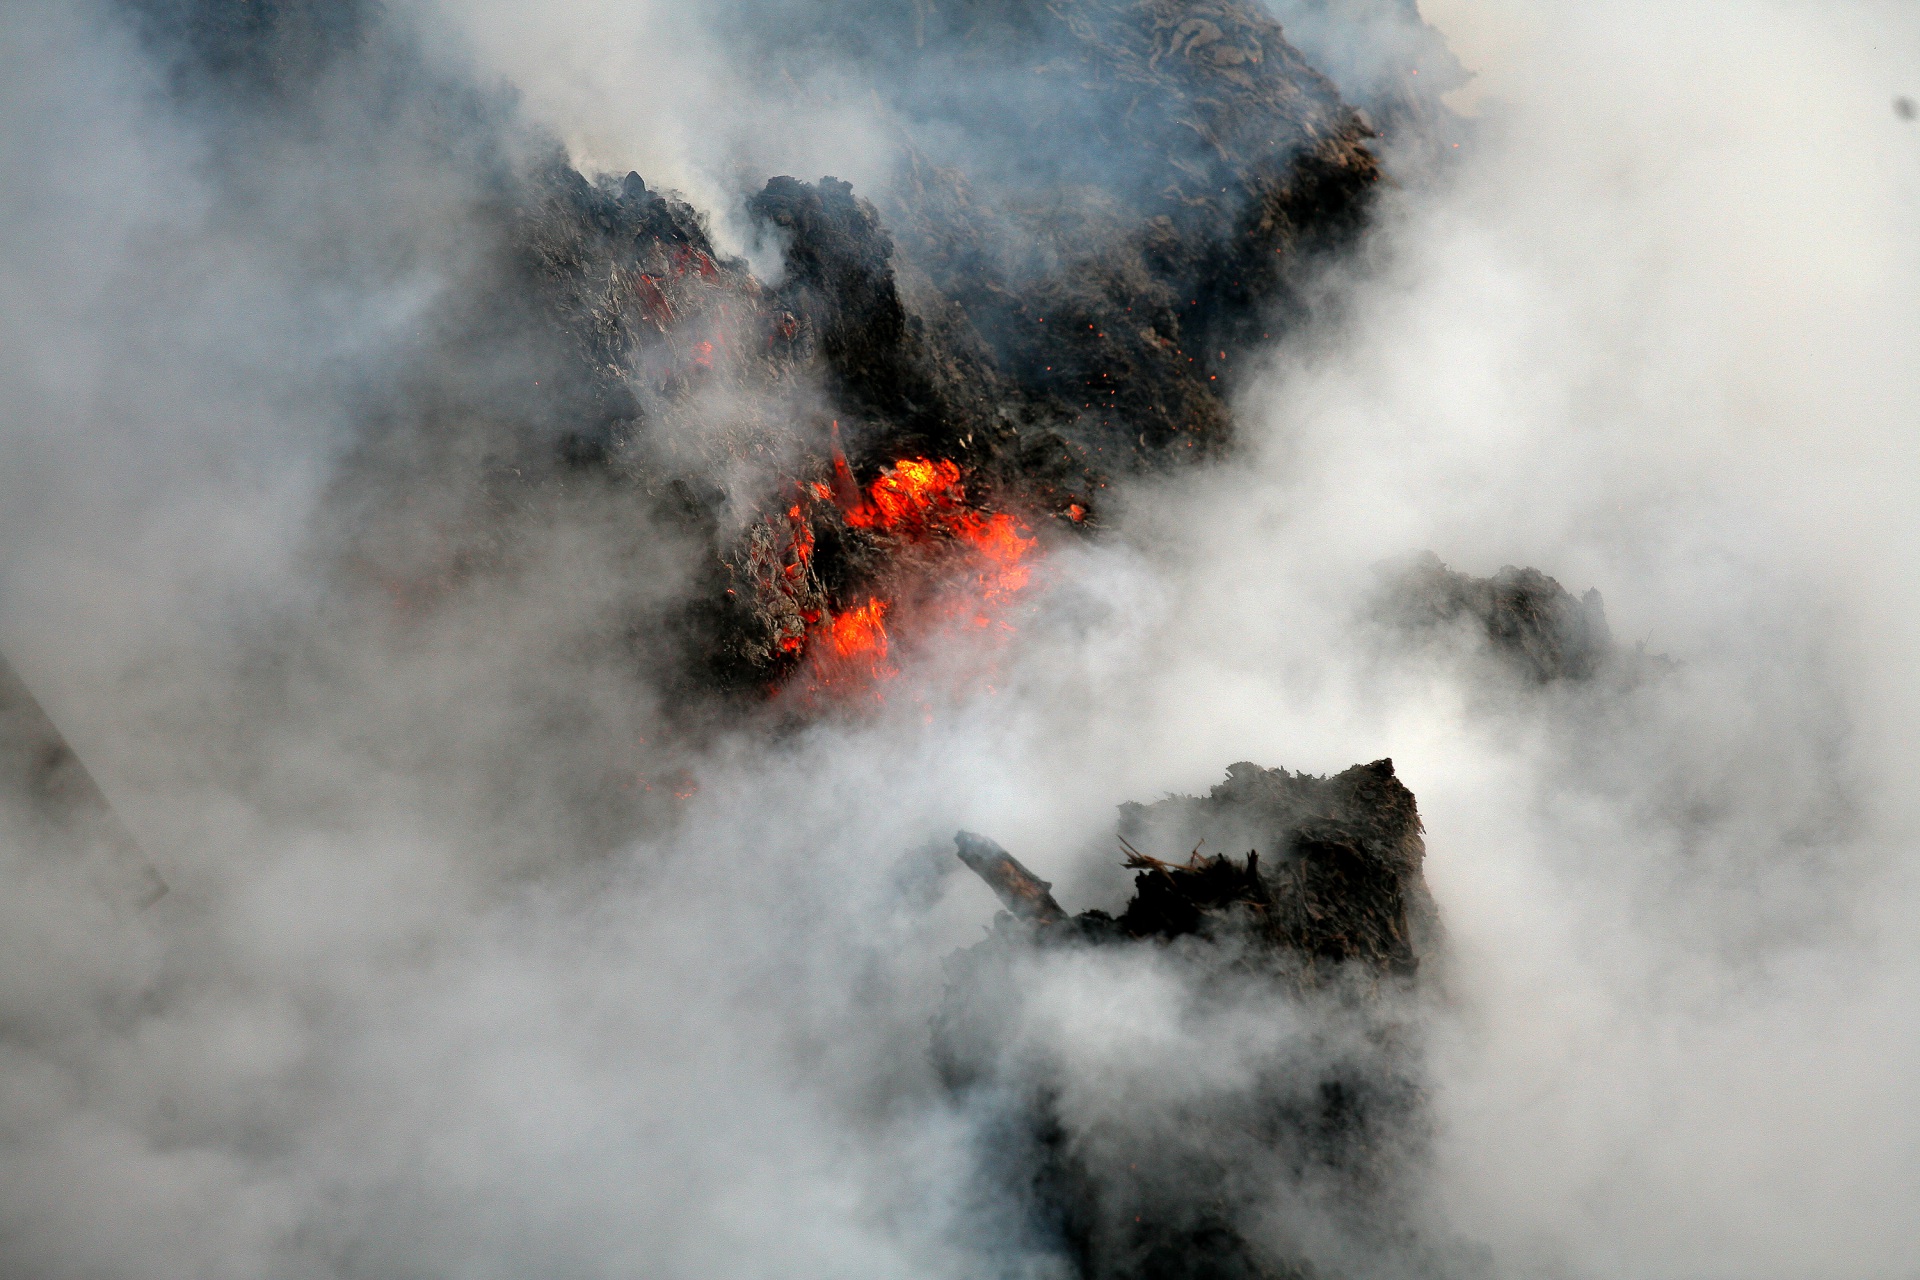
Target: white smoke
pixel 1655 333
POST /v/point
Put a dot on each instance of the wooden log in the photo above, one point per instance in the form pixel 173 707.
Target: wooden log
pixel 1023 893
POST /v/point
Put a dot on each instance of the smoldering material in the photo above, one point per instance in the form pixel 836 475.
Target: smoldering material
pixel 541 408
pixel 381 1047
pixel 1297 1159
pixel 1524 618
pixel 970 318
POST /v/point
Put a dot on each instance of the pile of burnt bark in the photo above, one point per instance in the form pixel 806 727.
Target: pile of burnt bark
pixel 1302 1161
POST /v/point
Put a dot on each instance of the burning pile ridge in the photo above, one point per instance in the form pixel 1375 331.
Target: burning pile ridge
pixel 1100 209
pixel 1025 345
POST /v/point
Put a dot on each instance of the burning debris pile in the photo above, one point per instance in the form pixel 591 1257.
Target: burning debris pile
pixel 874 444
pixel 1329 928
pixel 1017 334
pixel 1100 210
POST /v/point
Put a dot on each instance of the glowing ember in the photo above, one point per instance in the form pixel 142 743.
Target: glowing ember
pixel 911 498
pixel 802 547
pixel 860 633
pixel 854 644
pixel 980 560
pixel 1003 543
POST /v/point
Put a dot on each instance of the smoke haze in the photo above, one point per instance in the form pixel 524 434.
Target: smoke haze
pixel 407 1013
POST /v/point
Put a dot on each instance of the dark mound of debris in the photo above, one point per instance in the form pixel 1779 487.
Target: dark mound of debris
pixel 1039 333
pixel 1121 214
pixel 1040 329
pixel 1328 912
pixel 1528 620
pixel 1346 853
pixel 1100 207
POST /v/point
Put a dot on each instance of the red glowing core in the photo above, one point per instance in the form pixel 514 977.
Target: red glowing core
pixel 964 564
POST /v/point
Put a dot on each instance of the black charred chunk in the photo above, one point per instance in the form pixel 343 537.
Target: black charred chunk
pixel 840 286
pixel 1341 879
pixel 1531 622
pixel 1171 900
pixel 839 277
pixel 1325 914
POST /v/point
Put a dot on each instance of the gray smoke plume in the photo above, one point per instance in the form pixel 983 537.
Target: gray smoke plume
pixel 416 1006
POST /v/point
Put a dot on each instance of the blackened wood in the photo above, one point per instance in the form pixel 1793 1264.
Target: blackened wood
pixel 1023 893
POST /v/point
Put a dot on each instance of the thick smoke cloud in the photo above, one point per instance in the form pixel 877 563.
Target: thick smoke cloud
pixel 402 1016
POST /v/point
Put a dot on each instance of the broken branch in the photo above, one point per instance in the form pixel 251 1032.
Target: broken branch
pixel 1022 892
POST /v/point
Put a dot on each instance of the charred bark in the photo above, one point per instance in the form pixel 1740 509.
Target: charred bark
pixel 1025 894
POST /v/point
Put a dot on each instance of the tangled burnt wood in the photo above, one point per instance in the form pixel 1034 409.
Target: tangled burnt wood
pixel 1273 1141
pixel 1343 879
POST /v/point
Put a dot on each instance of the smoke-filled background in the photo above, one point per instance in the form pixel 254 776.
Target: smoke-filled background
pixel 405 1013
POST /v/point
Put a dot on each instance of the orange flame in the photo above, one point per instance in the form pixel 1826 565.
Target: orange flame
pixel 910 498
pixel 855 646
pixel 861 632
pixel 919 501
